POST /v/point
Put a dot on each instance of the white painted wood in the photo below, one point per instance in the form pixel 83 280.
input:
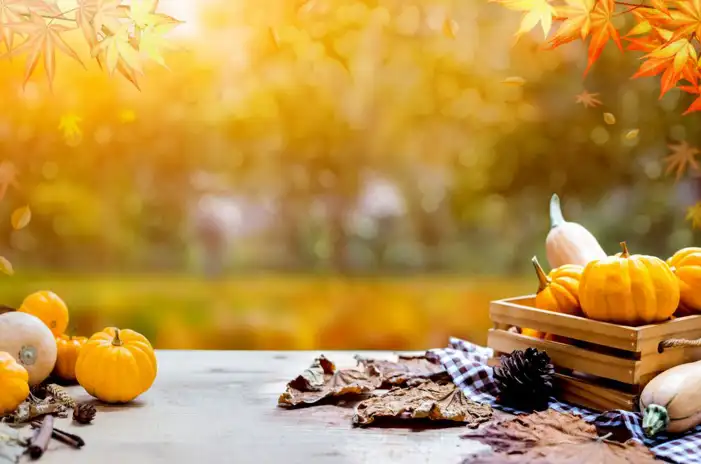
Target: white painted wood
pixel 210 407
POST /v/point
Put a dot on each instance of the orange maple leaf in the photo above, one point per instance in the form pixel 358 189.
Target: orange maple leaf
pixel 584 18
pixel 676 59
pixel 589 100
pixel 42 39
pixel 683 155
pixel 696 104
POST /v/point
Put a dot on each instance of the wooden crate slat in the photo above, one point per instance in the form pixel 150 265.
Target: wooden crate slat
pixel 650 336
pixel 513 312
pixel 568 356
pixel 609 398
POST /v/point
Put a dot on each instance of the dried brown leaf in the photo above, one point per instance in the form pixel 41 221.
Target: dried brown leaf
pixel 553 437
pixel 407 370
pixel 321 380
pixel 427 400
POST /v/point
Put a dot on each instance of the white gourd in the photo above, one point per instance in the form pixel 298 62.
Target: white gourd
pixel 569 242
pixel 27 339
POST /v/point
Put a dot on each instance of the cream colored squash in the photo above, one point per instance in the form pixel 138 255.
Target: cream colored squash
pixel 27 339
pixel 569 242
pixel 671 402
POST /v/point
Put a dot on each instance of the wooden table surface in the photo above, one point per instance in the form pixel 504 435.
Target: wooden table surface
pixel 221 407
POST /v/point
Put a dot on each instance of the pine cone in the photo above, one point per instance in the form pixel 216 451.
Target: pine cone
pixel 84 413
pixel 524 379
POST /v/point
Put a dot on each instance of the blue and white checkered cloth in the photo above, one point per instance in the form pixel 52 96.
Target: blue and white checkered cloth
pixel 467 365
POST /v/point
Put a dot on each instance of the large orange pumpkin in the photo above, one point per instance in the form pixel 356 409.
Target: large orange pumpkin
pixel 686 265
pixel 68 351
pixel 629 289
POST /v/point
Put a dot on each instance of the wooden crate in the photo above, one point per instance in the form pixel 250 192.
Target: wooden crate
pixel 600 366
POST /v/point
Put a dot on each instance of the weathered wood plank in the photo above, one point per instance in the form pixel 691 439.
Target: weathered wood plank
pixel 220 407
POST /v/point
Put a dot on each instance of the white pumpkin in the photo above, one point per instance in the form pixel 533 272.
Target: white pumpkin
pixel 30 342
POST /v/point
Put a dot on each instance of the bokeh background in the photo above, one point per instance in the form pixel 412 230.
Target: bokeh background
pixel 348 174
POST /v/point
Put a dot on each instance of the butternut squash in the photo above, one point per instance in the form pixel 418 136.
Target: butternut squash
pixel 569 242
pixel 671 402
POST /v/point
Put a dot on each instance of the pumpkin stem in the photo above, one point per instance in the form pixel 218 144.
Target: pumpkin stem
pixel 655 419
pixel 117 341
pixel 556 218
pixel 543 279
pixel 625 253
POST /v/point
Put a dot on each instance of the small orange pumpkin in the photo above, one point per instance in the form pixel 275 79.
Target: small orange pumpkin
pixel 116 366
pixel 558 291
pixel 14 383
pixel 48 307
pixel 686 265
pixel 68 351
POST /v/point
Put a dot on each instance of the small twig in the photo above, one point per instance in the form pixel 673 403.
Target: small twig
pixel 40 440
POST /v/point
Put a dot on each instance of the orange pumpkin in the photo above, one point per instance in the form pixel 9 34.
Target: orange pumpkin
pixel 558 291
pixel 48 307
pixel 68 351
pixel 686 265
pixel 629 289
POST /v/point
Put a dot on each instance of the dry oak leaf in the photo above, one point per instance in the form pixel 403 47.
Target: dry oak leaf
pixel 589 100
pixel 551 437
pixel 407 370
pixel 321 380
pixel 683 155
pixel 43 38
pixel 427 400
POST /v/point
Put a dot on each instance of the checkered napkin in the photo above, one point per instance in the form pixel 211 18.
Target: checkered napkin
pixel 467 365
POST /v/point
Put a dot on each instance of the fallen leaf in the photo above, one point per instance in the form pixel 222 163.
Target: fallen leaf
pixel 321 380
pixel 514 80
pixel 609 118
pixel 69 126
pixel 407 370
pixel 427 400
pixel 693 214
pixel 553 437
pixel 450 28
pixel 682 157
pixel 589 100
pixel 8 176
pixel 21 217
pixel 632 134
pixel 6 266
